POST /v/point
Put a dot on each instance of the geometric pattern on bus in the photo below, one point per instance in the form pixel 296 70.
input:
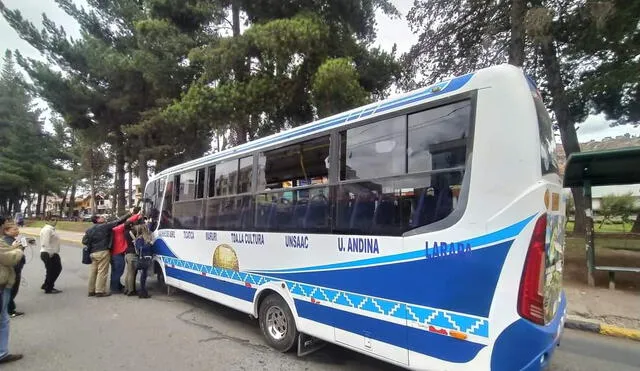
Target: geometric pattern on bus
pixel 468 324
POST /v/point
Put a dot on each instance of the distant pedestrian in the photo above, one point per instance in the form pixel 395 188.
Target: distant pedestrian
pixel 144 252
pixel 10 256
pixel 99 239
pixel 10 232
pixel 20 220
pixel 50 256
pixel 118 251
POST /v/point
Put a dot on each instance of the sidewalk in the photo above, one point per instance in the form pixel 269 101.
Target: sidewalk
pixel 66 236
pixel 612 312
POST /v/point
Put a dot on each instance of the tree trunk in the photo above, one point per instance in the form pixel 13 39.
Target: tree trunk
pixel 235 17
pixel 44 205
pixel 39 205
pixel 62 202
pixel 516 45
pixel 565 121
pixel 114 194
pixel 130 200
pixel 92 189
pixel 143 171
pixel 120 172
pixel 27 209
pixel 72 200
pixel 241 129
pixel 636 225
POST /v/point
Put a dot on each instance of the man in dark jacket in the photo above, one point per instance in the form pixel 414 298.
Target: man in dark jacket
pixel 99 239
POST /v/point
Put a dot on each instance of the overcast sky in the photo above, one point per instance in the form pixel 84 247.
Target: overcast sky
pixel 390 31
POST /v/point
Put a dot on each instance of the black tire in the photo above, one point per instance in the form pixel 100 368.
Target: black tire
pixel 277 323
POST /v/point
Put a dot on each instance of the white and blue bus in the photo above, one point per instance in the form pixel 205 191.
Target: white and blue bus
pixel 425 230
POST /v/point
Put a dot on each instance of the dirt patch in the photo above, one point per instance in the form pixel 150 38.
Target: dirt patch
pixel 575 265
pixel 620 307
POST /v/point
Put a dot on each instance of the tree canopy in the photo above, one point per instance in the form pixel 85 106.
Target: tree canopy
pixel 29 156
pixel 583 54
pixel 157 80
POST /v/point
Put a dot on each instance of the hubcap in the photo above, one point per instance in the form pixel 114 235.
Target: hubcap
pixel 276 323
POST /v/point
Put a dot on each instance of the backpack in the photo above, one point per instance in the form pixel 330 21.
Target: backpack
pixel 86 250
pixel 144 253
pixel 86 255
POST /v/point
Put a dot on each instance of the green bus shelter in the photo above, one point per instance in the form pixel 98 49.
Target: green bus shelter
pixel 601 168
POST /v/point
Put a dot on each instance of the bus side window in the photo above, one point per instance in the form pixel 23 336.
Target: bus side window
pixel 298 172
pixel 166 216
pixel 438 137
pixel 152 200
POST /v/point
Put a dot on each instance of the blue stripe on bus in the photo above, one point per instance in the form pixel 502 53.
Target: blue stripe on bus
pixel 420 341
pixel 160 247
pixel 231 289
pixel 342 300
pixel 501 235
pixel 328 123
pixel 463 283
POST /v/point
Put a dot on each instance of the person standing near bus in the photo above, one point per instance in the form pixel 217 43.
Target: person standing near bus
pixel 99 240
pixel 119 250
pixel 9 233
pixel 50 256
pixel 10 256
pixel 144 252
pixel 131 258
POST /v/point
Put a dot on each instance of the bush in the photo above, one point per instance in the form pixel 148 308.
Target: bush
pixel 620 206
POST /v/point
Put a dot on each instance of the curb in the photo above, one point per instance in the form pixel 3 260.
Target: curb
pixel 602 328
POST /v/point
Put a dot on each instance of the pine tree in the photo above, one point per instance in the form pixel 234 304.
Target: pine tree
pixel 28 155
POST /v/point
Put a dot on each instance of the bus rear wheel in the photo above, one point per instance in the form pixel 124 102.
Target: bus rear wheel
pixel 277 323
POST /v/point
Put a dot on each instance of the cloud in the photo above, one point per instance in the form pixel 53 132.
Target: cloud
pixel 597 127
pixel 33 10
pixel 396 31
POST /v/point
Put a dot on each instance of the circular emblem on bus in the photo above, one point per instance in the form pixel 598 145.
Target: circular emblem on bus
pixel 225 257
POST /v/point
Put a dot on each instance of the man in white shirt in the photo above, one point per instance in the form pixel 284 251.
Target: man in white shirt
pixel 50 255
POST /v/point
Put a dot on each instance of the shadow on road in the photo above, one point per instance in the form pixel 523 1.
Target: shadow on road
pixel 331 355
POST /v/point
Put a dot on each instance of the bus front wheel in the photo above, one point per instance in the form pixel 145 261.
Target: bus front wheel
pixel 277 323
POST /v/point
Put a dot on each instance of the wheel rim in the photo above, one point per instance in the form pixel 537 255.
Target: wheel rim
pixel 276 323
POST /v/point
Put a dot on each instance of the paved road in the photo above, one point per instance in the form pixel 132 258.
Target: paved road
pixel 72 332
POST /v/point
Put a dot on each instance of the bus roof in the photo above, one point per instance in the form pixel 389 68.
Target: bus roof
pixel 391 104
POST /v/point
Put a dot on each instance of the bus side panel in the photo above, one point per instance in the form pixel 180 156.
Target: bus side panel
pixel 517 342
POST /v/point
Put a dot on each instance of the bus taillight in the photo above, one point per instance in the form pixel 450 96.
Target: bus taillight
pixel 531 296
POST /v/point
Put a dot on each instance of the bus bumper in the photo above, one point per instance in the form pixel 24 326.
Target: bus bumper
pixel 527 346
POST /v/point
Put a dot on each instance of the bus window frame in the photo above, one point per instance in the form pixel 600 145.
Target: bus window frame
pixel 334 161
pixel 458 211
